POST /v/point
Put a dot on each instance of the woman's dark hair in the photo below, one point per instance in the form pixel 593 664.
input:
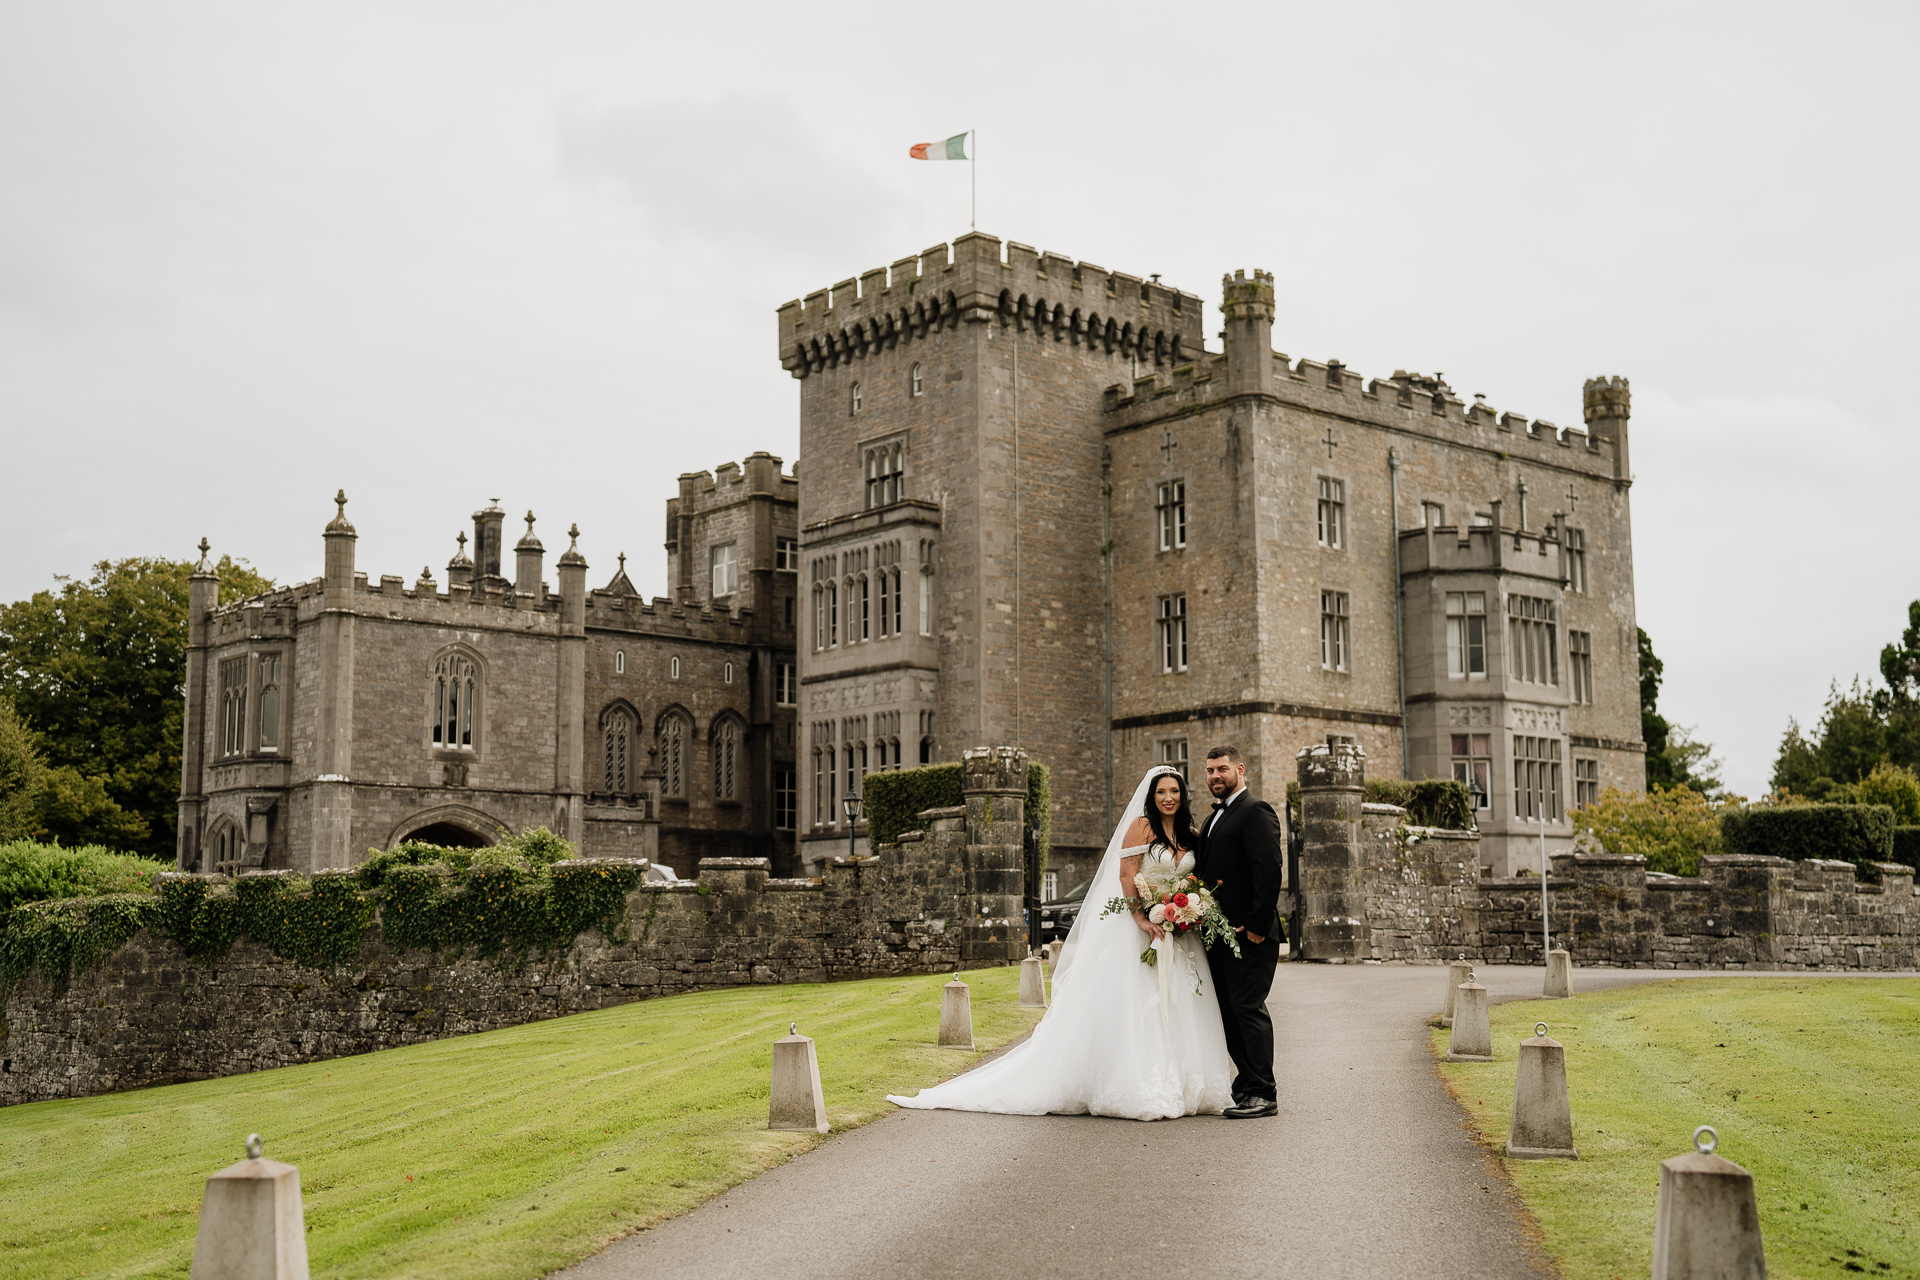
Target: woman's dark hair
pixel 1182 821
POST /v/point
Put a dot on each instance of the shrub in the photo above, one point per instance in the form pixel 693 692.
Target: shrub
pixel 1895 786
pixel 1429 802
pixel 34 872
pixel 1856 833
pixel 1906 847
pixel 892 801
pixel 1670 827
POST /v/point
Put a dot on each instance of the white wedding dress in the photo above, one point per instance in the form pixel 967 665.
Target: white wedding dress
pixel 1122 1038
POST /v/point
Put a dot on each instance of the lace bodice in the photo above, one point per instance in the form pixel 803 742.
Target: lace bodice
pixel 1155 853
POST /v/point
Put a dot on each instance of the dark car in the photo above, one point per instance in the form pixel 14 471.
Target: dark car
pixel 1057 917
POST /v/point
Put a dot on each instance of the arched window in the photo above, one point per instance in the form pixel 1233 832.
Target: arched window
pixel 674 733
pixel 833 614
pixel 726 761
pixel 864 590
pixel 619 661
pixel 233 706
pixel 727 674
pixel 819 617
pixel 856 397
pixel 269 702
pixel 926 751
pixel 224 847
pixel 456 688
pixel 673 666
pixel 618 730
pixel 919 383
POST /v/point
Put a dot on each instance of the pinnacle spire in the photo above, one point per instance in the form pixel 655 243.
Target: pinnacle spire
pixel 339 525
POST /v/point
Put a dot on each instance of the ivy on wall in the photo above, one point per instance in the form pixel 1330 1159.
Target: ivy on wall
pixel 519 898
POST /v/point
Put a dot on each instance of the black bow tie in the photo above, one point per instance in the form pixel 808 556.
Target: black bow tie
pixel 1219 804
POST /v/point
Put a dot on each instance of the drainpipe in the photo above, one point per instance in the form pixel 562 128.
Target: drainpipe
pixel 1399 622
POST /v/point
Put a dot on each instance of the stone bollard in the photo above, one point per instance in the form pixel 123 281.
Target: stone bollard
pixel 796 1101
pixel 1033 983
pixel 1472 1039
pixel 956 1016
pixel 1052 951
pixel 1708 1224
pixel 1457 972
pixel 251 1224
pixel 1559 974
pixel 1542 1118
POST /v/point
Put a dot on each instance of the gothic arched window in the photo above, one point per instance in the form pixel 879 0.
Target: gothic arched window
pixel 726 761
pixel 270 702
pixel 919 383
pixel 856 397
pixel 456 688
pixel 618 729
pixel 674 732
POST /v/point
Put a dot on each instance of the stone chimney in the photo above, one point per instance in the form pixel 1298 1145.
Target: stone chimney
pixel 487 524
pixel 1608 405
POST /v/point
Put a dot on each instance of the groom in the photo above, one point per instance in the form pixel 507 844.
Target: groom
pixel 1240 857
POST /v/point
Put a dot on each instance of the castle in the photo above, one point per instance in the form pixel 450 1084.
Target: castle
pixel 339 715
pixel 1032 510
pixel 1036 510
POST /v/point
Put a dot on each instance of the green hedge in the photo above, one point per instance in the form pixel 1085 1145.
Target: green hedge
pixel 1906 847
pixel 1429 802
pixel 893 801
pixel 1856 833
pixel 507 901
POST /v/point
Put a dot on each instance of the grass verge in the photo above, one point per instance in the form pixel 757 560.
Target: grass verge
pixel 505 1154
pixel 1810 1084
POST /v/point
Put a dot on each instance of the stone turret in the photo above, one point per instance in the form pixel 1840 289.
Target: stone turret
pixel 569 758
pixel 1608 405
pixel 1246 308
pixel 528 557
pixel 203 593
pixel 340 539
pixel 460 568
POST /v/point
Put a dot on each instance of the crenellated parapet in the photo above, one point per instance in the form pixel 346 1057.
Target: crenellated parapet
pixel 978 280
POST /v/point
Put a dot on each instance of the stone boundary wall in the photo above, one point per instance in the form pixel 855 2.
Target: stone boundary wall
pixel 1373 889
pixel 1425 903
pixel 943 899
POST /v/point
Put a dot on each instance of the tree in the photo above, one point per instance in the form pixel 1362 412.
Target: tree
pixel 21 770
pixel 1675 758
pixel 1898 705
pixel 97 672
pixel 1846 746
pixel 1653 726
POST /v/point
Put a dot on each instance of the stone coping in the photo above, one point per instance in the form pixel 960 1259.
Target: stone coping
pixel 1529 882
pixel 1383 808
pixel 792 886
pixel 735 864
pixel 1678 882
pixel 601 862
pixel 957 811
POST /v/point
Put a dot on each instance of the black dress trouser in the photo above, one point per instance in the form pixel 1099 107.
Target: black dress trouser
pixel 1242 987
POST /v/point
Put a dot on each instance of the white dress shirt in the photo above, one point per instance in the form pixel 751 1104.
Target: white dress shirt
pixel 1240 791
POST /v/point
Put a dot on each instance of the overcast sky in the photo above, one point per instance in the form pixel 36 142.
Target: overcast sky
pixel 435 254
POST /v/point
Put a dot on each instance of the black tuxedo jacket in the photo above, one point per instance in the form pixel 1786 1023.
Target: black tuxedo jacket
pixel 1239 860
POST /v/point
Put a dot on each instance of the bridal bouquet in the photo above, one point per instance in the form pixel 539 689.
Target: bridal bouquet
pixel 1180 903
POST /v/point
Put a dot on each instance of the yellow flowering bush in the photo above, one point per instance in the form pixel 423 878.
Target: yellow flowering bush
pixel 1668 826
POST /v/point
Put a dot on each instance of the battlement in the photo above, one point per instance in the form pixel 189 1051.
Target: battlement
pixel 1420 402
pixel 729 480
pixel 979 280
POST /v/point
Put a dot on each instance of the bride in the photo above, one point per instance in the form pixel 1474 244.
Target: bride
pixel 1123 1038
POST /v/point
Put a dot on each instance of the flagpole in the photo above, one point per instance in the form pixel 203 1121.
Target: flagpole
pixel 973 179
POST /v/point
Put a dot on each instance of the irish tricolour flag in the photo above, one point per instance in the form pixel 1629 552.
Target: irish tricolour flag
pixel 954 148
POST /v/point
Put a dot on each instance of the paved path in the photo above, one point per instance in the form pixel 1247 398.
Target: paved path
pixel 1369 1171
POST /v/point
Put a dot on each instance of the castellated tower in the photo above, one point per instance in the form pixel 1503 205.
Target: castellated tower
pixel 951 514
pixel 1037 510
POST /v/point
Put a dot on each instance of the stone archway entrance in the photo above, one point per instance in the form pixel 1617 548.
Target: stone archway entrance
pixel 448 834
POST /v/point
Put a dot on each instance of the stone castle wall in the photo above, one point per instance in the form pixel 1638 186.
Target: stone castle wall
pixel 946 898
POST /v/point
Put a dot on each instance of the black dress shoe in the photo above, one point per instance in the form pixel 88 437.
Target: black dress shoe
pixel 1252 1109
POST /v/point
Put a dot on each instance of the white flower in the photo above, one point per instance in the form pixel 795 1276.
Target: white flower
pixel 1157 913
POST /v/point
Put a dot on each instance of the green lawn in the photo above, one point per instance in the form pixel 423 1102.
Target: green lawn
pixel 504 1154
pixel 1813 1086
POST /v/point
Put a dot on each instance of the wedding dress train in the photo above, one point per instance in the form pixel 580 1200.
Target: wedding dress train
pixel 1122 1038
